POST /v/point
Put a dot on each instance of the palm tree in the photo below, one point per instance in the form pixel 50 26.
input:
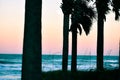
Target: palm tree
pixel 66 8
pixel 31 64
pixel 82 16
pixel 102 9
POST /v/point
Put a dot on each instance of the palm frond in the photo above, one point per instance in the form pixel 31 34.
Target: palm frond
pixel 116 8
pixel 87 15
pixel 103 7
pixel 86 23
pixel 80 29
pixel 67 6
pixel 82 15
pixel 90 12
pixel 117 15
pixel 82 8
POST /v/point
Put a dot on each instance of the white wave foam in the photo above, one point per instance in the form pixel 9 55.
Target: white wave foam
pixel 10 77
pixel 111 61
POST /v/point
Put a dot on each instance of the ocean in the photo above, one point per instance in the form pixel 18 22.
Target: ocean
pixel 10 64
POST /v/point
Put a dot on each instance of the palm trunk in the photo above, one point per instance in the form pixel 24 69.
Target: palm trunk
pixel 31 63
pixel 74 51
pixel 65 42
pixel 100 42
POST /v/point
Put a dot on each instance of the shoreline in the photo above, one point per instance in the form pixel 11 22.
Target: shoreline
pixel 82 75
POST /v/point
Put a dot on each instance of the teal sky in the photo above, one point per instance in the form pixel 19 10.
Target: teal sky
pixel 12 28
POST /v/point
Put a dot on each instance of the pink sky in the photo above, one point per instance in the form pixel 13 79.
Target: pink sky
pixel 12 27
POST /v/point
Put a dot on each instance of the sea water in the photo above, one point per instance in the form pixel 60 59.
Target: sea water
pixel 10 64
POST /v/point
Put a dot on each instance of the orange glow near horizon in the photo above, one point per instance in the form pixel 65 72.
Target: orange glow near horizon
pixel 12 28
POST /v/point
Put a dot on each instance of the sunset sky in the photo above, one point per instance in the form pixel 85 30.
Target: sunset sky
pixel 12 28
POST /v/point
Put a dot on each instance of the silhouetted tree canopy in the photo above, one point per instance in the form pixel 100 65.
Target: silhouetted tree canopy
pixel 103 7
pixel 67 6
pixel 82 16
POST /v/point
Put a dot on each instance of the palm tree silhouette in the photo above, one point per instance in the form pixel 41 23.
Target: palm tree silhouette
pixel 82 16
pixel 102 9
pixel 31 63
pixel 66 8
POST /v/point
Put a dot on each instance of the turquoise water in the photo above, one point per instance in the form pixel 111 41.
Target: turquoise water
pixel 10 64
